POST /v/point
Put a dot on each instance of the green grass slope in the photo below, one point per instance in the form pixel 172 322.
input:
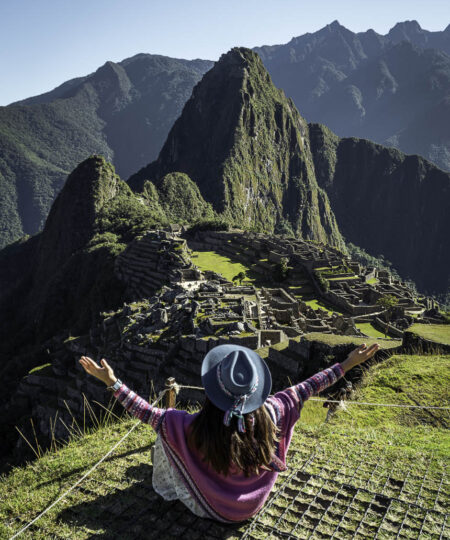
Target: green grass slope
pixel 439 333
pixel 369 471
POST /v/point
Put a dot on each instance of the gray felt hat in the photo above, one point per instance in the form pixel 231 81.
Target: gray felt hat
pixel 236 379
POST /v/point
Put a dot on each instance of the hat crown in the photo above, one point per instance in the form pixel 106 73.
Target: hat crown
pixel 238 372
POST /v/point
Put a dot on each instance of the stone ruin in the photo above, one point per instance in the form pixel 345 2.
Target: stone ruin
pixel 174 313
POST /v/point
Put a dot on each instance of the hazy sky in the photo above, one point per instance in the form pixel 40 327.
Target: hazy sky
pixel 46 42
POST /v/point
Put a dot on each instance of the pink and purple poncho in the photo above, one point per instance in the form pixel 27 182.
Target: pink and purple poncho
pixel 234 497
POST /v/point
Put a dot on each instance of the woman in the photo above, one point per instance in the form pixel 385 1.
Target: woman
pixel 223 461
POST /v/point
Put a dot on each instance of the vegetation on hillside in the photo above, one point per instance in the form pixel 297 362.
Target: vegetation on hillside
pixel 43 138
pixel 64 277
pixel 178 200
pixel 406 186
pixel 251 162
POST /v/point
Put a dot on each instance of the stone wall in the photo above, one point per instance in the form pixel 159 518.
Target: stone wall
pixel 384 327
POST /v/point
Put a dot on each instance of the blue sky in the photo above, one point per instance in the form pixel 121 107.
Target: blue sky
pixel 46 42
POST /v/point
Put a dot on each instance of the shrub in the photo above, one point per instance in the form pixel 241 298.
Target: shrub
pixel 209 225
pixel 324 284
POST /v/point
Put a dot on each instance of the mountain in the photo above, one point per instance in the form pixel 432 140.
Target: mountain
pixel 367 85
pixel 384 88
pixel 63 276
pixel 245 146
pixel 259 164
pixel 388 203
pixel 412 32
pixel 122 111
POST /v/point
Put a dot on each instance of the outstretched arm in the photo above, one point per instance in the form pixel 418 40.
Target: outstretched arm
pixel 322 380
pixel 133 403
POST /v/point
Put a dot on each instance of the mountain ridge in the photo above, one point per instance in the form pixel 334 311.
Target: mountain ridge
pixel 43 139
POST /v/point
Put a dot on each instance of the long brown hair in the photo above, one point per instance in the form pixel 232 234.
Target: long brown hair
pixel 222 445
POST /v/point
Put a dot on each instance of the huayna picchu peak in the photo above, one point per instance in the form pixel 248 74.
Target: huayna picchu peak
pixel 246 147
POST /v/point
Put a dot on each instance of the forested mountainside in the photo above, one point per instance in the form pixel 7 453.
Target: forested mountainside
pixel 385 88
pixel 392 89
pixel 123 111
pixel 389 203
pixel 246 147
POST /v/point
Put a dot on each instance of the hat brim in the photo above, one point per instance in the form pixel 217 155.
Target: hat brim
pixel 215 392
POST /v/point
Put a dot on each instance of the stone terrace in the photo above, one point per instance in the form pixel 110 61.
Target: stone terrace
pixel 156 335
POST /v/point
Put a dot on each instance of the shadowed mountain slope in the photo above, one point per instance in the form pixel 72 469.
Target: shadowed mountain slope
pixel 372 86
pixel 122 111
pixel 388 203
pixel 63 276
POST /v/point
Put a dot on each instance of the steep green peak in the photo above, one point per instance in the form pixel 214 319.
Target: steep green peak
pixel 245 146
pixel 182 200
pixel 239 60
pixel 69 225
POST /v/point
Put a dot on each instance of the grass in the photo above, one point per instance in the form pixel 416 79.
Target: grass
pixel 372 281
pixel 386 464
pixel 334 339
pixel 210 260
pixel 70 338
pixel 40 368
pixel 347 278
pixel 369 330
pixel 316 304
pixel 264 351
pixel 407 380
pixel 439 333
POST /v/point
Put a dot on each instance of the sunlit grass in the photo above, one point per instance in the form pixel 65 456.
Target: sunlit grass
pixel 396 441
pixel 439 333
pixel 369 330
pixel 210 260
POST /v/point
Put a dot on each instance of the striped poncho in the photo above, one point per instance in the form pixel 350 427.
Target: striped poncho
pixel 234 497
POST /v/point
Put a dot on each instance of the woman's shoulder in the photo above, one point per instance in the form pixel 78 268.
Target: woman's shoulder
pixel 179 416
pixel 282 404
pixel 283 399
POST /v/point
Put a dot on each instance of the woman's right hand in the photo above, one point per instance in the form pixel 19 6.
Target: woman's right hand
pixel 104 372
pixel 359 355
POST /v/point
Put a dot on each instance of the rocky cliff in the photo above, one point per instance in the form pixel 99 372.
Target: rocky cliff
pixel 246 147
pixel 388 203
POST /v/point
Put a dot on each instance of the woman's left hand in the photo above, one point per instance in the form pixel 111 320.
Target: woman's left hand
pixel 105 373
pixel 359 355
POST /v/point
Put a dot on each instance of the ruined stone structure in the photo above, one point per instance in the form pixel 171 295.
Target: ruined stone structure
pixel 174 314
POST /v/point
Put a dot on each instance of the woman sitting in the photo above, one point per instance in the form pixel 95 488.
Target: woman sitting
pixel 222 461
